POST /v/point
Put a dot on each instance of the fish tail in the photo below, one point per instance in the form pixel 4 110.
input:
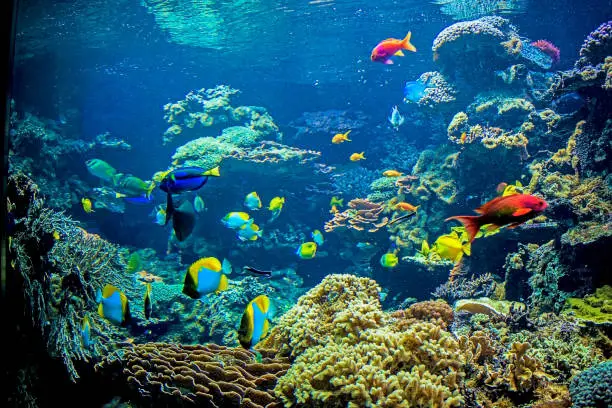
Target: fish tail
pixel 406 43
pixel 213 172
pixel 470 222
pixel 362 155
pixel 169 209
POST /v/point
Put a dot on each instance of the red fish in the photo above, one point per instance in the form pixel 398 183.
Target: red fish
pixel 390 47
pixel 512 210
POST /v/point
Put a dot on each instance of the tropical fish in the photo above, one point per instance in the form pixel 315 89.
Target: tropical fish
pixel 392 173
pixel 512 210
pixel 276 205
pixel 396 119
pixel 56 235
pixel 256 271
pixel 249 232
pixel 113 305
pixel 414 91
pixel 333 209
pixel 252 201
pixel 159 176
pixel 335 201
pixel 389 260
pixel 506 189
pixel 404 206
pixel 132 186
pixel 87 206
pixel 101 169
pixel 206 275
pixel 401 218
pixel 341 137
pixel 236 219
pixel 363 245
pixel 86 332
pixel 198 204
pixel 160 216
pixel 307 250
pixel 141 199
pixel 390 47
pixel 452 247
pixel 183 220
pixel 186 179
pixel 148 305
pixel 255 322
pixel 317 237
pixel 357 156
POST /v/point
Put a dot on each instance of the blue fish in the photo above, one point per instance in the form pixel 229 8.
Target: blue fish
pixel 186 179
pixel 568 103
pixel 141 200
pixel 255 322
pixel 414 91
pixel 206 275
pixel 113 305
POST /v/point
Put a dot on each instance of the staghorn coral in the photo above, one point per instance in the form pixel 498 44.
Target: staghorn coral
pixel 197 375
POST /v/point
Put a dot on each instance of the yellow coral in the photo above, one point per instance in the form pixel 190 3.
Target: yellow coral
pixel 458 124
pixel 550 118
pixel 513 46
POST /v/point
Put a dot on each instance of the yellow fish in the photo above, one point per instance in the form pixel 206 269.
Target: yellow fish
pixel 392 173
pixel 307 250
pixel 205 276
pixel 255 322
pixel 333 209
pixel 451 247
pixel 113 305
pixel 404 206
pixel 341 137
pixel 276 205
pixel 56 235
pixel 159 176
pixel 86 203
pixel 389 260
pixel 357 156
pixel 336 202
pixel 506 189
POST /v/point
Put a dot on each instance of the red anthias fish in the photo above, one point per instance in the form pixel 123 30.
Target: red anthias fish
pixel 512 210
pixel 390 47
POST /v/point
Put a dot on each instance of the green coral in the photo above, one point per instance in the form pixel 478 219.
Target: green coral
pixel 595 308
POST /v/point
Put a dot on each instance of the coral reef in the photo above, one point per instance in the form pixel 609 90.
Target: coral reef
pixel 597 46
pixel 593 309
pixel 464 288
pixel 208 375
pixel 591 388
pixel 361 215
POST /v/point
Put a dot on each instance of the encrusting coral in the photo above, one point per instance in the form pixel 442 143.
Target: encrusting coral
pixel 197 375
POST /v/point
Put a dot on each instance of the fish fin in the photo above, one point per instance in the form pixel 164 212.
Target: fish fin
pixel 212 172
pixel 98 295
pixel 514 225
pixel 467 248
pixel 521 211
pixel 169 209
pixel 485 207
pixel 101 310
pixel 388 61
pixel 492 227
pixel 266 328
pixel 518 184
pixel 347 133
pixel 226 267
pixel 223 284
pixel 150 189
pixel 119 195
pixel 362 155
pixel 470 222
pixel 406 43
pixel 399 53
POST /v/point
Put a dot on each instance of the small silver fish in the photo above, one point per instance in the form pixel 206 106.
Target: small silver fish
pixel 396 119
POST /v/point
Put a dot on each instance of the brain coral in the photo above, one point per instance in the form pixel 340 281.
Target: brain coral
pixel 348 352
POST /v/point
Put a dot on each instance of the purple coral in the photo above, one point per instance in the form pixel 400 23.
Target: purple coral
pixel 597 46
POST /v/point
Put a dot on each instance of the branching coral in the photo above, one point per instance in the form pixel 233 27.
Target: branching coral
pixel 197 375
pixel 362 215
pixel 462 288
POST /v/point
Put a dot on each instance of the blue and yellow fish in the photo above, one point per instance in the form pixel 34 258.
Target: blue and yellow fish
pixel 255 322
pixel 113 305
pixel 249 232
pixel 236 219
pixel 389 260
pixel 186 179
pixel 276 206
pixel 148 304
pixel 206 275
pixel 317 237
pixel 101 169
pixel 86 332
pixel 252 201
pixel 307 250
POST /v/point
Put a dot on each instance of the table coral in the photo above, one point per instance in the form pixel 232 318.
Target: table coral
pixel 208 375
pixel 361 215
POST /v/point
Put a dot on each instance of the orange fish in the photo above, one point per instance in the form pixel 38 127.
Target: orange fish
pixel 341 137
pixel 391 47
pixel 512 210
pixel 357 156
pixel 405 206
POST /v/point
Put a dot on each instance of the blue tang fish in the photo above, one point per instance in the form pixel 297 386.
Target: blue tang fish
pixel 255 322
pixel 186 179
pixel 206 275
pixel 317 237
pixel 113 305
pixel 414 91
pixel 142 199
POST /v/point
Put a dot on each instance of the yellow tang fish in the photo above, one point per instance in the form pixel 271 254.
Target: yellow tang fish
pixel 357 156
pixel 87 206
pixel 452 247
pixel 389 260
pixel 255 323
pixel 307 250
pixel 392 173
pixel 341 137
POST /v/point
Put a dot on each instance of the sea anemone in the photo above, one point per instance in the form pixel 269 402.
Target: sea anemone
pixel 548 48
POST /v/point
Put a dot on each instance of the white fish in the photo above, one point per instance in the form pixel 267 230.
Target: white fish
pixel 396 119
